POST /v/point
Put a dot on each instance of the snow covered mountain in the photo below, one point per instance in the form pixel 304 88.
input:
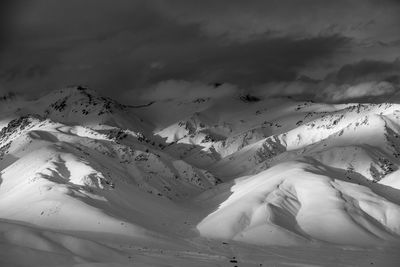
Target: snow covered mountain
pixel 87 181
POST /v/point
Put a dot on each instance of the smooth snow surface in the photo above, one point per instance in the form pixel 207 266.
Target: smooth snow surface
pixel 86 181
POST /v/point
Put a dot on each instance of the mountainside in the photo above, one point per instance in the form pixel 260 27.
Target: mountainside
pixel 224 181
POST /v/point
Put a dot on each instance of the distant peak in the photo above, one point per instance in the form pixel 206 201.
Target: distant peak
pixel 81 88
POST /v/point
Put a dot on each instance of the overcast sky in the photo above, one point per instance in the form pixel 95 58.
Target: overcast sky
pixel 127 47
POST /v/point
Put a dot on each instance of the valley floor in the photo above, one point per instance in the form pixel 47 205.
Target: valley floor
pixel 23 245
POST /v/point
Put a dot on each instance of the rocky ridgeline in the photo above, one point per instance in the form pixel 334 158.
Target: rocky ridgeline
pixel 14 128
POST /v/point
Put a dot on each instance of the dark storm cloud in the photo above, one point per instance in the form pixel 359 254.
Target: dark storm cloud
pixel 258 61
pixel 131 45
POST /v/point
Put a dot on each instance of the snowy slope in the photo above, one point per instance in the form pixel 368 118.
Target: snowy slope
pixel 81 170
pixel 296 202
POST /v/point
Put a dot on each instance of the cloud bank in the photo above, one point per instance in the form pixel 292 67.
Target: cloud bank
pixel 135 44
pixel 361 81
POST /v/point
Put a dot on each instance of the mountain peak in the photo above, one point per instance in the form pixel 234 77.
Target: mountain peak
pixel 80 100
